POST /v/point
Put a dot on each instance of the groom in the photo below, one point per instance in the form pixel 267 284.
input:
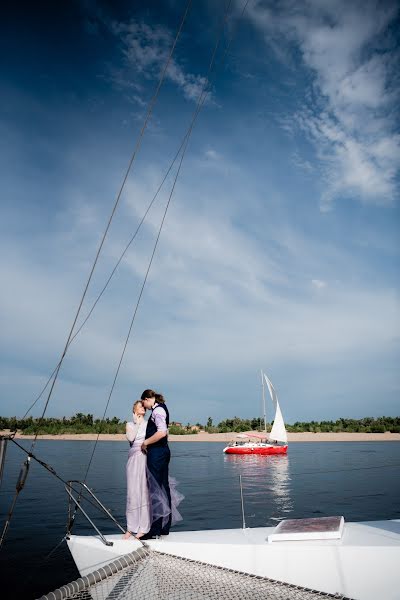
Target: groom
pixel 158 453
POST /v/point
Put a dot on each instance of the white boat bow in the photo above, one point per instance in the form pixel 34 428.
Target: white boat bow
pixel 363 564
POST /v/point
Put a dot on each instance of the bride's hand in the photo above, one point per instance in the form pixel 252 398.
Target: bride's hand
pixel 139 418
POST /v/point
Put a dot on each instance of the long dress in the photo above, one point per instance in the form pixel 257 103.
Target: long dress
pixel 146 500
pixel 138 511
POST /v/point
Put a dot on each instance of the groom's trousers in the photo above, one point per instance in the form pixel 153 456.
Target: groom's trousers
pixel 158 458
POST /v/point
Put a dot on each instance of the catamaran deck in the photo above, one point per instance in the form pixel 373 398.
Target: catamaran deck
pixel 363 564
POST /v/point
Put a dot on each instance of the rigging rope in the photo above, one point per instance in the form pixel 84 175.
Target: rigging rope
pixel 23 474
pixel 133 156
pixel 114 268
pixel 48 468
pixel 182 148
pixel 199 106
pixel 21 482
pixel 188 131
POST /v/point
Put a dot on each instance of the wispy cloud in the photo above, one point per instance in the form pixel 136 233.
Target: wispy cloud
pixel 351 115
pixel 318 283
pixel 302 163
pixel 212 273
pixel 146 49
pixel 222 291
pixel 212 155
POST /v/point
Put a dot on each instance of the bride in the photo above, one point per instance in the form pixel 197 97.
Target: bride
pixel 138 517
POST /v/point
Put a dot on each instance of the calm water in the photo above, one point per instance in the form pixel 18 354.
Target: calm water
pixel 358 480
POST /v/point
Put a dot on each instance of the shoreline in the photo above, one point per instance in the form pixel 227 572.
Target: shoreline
pixel 223 437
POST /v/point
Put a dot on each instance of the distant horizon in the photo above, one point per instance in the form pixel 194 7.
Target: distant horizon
pixel 191 422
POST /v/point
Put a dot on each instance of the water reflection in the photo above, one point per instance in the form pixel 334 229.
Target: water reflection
pixel 266 486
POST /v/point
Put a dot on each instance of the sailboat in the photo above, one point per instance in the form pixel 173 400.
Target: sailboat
pixel 274 443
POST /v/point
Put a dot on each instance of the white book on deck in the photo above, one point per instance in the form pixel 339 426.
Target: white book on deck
pixel 321 528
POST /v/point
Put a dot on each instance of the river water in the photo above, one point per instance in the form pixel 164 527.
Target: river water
pixel 359 480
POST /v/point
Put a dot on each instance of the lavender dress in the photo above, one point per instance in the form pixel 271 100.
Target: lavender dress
pixel 146 500
pixel 137 502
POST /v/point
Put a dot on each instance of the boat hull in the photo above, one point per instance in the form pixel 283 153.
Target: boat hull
pixel 262 450
pixel 363 564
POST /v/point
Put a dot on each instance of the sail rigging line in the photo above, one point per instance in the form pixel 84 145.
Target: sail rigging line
pixel 263 400
pixel 185 142
pixel 198 108
pixel 21 482
pixel 23 474
pixel 134 317
pixel 133 156
pixel 113 271
pixel 130 241
pixel 115 267
pixel 51 470
pixel 188 131
pixel 184 145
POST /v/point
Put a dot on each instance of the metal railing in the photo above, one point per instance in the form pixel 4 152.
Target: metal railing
pixel 74 504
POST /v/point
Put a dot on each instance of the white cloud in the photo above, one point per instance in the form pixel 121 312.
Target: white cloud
pixel 318 283
pixel 224 293
pixel 348 49
pixel 300 162
pixel 192 85
pixel 146 49
pixel 212 154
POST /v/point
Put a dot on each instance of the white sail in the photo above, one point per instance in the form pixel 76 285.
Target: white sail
pixel 278 431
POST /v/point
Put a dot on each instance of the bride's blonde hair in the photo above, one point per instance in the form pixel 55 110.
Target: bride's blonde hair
pixel 135 405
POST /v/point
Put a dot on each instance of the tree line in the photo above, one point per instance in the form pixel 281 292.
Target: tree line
pixel 365 425
pixel 81 423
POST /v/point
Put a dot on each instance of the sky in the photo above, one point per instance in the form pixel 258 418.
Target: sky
pixel 280 247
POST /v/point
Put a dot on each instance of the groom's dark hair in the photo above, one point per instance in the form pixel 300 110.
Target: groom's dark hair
pixel 152 394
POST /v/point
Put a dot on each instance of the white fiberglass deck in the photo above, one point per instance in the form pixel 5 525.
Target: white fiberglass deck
pixel 363 565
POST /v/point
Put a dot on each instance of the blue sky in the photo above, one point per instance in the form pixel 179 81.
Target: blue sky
pixel 280 248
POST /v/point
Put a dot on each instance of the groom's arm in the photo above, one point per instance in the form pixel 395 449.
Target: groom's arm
pixel 154 438
pixel 162 429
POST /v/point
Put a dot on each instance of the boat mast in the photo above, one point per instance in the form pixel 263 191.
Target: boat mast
pixel 263 397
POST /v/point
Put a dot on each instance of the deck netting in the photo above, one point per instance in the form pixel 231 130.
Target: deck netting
pixel 151 575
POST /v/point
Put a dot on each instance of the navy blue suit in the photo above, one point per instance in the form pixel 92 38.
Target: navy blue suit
pixel 158 457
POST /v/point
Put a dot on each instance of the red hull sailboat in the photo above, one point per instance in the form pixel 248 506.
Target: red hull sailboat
pixel 273 443
pixel 262 448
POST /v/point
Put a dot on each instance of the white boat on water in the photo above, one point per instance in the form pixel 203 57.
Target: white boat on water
pixel 274 443
pixel 362 564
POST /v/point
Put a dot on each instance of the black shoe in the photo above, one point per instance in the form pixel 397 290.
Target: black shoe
pixel 149 536
pixel 164 532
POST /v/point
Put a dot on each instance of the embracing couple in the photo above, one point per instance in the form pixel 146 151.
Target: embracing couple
pixel 152 499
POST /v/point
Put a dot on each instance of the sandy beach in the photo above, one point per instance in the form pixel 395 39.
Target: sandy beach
pixel 226 437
